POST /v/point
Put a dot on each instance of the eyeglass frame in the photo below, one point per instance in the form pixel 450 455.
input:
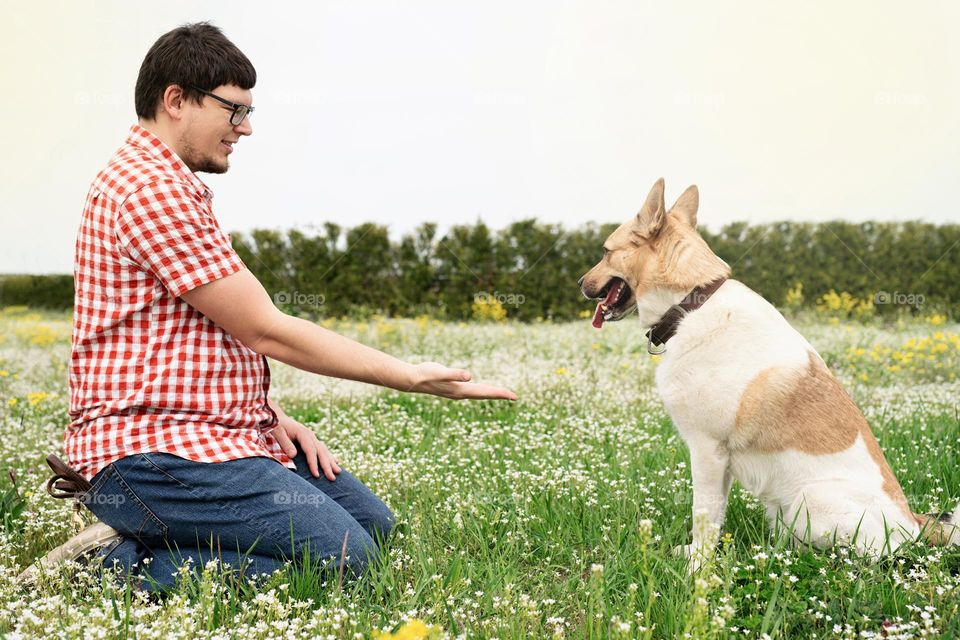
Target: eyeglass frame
pixel 234 106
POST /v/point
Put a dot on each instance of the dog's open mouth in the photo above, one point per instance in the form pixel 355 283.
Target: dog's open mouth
pixel 615 299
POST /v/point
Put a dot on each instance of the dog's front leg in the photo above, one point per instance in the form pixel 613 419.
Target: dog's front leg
pixel 712 477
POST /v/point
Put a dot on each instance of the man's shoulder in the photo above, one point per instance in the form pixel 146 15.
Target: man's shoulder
pixel 131 169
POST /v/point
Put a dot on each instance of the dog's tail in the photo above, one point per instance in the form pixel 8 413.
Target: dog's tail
pixel 940 529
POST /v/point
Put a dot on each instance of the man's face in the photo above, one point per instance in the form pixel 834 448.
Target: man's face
pixel 207 137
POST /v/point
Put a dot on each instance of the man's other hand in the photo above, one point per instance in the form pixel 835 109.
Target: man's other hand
pixel 318 455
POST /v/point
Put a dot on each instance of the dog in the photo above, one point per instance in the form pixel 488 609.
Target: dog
pixel 749 395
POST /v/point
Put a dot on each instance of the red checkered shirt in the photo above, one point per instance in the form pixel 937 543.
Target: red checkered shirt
pixel 148 372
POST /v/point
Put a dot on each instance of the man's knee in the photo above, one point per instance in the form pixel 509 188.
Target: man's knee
pixel 362 550
pixel 355 556
pixel 360 556
pixel 380 523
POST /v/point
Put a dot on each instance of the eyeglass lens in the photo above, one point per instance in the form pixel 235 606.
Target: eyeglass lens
pixel 238 115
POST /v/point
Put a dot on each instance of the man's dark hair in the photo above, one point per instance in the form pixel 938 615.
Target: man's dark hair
pixel 195 54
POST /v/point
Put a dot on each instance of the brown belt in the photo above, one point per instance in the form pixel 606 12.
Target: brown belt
pixel 65 483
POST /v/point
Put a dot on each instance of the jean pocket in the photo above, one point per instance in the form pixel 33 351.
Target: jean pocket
pixel 115 503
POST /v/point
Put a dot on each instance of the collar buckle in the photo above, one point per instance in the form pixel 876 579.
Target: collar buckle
pixel 676 313
pixel 652 350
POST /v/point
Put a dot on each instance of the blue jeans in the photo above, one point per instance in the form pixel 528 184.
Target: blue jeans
pixel 252 513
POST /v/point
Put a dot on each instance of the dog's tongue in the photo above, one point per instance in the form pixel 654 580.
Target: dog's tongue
pixel 612 296
pixel 598 316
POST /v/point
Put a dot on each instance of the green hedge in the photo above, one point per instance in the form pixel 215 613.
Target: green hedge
pixel 43 292
pixel 532 268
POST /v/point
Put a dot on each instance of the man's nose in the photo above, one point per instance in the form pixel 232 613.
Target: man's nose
pixel 244 128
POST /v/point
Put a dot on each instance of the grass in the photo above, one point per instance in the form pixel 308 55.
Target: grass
pixel 551 517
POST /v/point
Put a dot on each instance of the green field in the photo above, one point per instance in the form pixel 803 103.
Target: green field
pixel 553 516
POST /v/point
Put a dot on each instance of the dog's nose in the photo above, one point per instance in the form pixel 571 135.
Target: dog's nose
pixel 580 281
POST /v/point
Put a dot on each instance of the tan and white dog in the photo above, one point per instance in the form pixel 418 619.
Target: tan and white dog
pixel 749 395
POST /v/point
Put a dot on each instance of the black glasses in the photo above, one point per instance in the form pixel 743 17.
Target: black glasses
pixel 239 111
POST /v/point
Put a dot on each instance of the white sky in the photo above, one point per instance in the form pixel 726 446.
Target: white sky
pixel 450 112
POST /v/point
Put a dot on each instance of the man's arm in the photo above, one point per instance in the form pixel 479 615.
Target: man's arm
pixel 241 306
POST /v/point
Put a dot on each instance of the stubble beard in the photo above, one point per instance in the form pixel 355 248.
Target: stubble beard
pixel 200 163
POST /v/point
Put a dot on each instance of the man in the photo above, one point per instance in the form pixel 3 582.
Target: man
pixel 188 457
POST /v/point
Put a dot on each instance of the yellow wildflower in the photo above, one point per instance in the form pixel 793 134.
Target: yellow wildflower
pixel 412 630
pixel 795 296
pixel 37 397
pixel 488 308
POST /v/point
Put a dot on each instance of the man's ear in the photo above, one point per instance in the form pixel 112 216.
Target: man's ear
pixel 652 214
pixel 685 208
pixel 172 102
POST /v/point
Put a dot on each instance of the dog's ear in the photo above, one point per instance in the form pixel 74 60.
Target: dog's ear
pixel 686 206
pixel 652 214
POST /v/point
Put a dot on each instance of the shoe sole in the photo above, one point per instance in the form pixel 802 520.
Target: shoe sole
pixel 93 537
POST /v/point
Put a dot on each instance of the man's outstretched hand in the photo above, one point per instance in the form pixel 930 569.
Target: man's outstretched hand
pixel 438 380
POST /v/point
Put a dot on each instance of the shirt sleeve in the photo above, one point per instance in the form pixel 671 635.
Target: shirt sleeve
pixel 166 228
